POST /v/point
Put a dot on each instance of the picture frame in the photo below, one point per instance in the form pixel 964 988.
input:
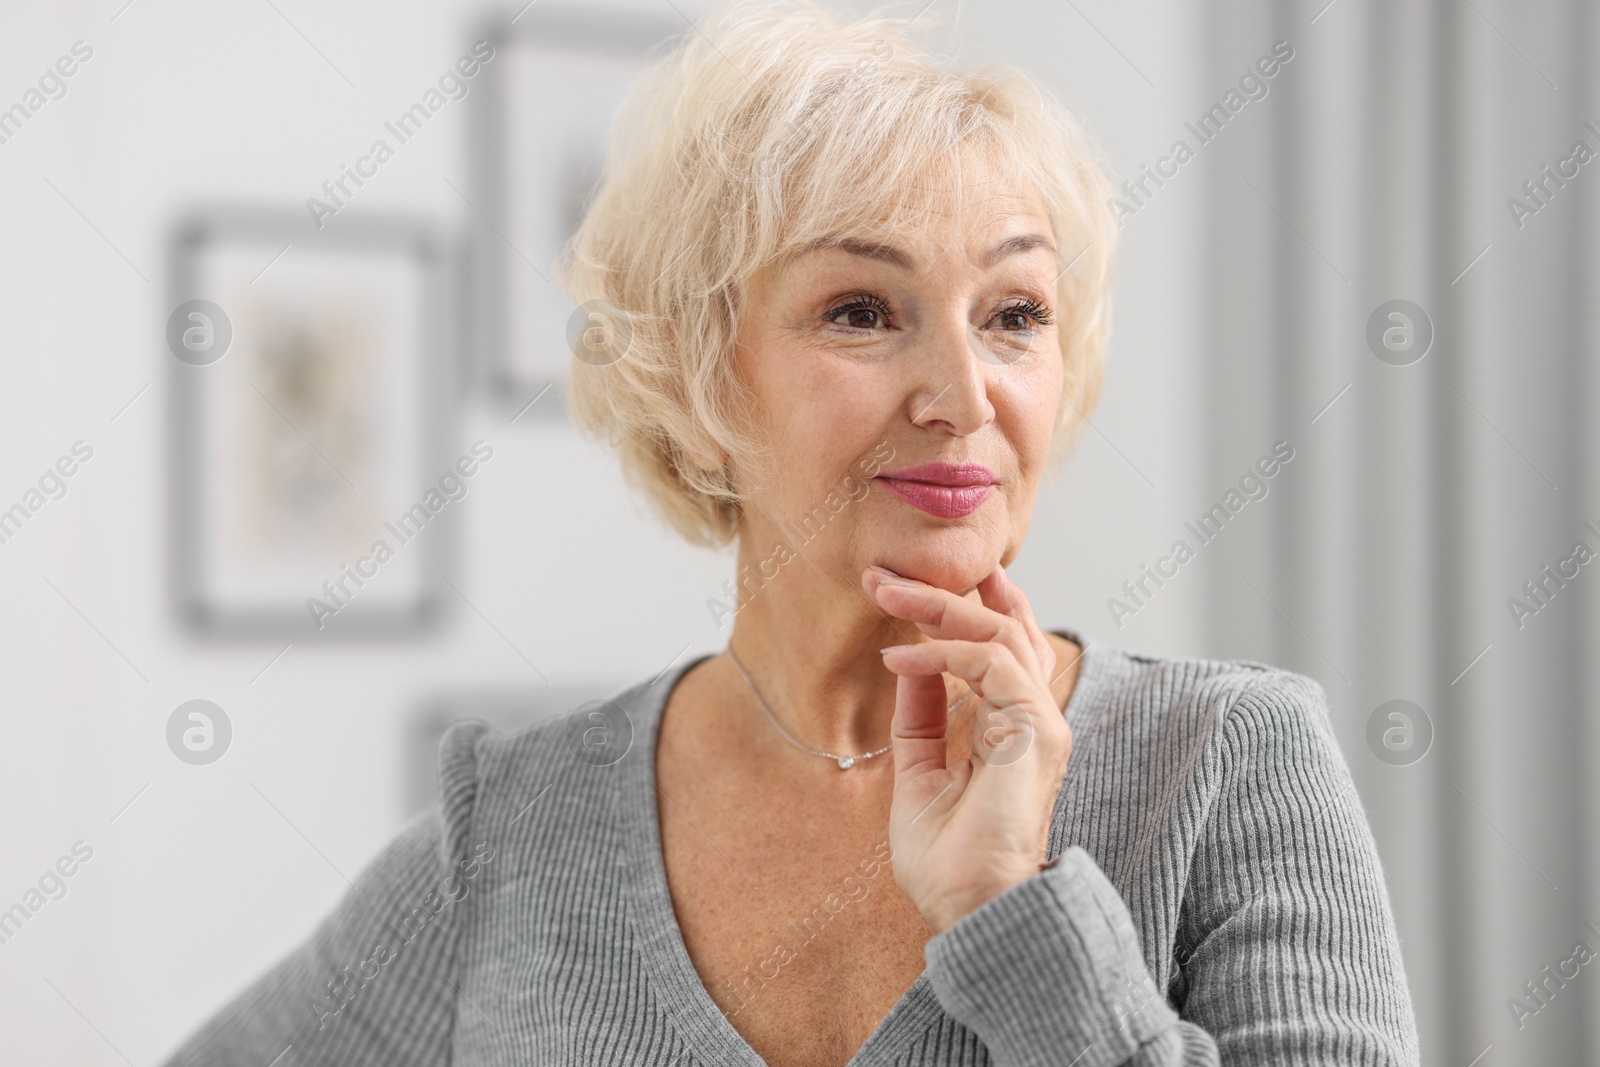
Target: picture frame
pixel 537 137
pixel 321 411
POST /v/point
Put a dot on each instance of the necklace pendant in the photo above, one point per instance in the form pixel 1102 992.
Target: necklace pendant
pixel 846 762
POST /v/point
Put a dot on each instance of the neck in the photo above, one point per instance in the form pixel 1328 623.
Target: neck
pixel 810 640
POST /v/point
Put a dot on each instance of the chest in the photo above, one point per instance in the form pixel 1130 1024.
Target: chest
pixel 794 924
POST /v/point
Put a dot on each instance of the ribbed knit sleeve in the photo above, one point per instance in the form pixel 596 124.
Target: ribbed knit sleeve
pixel 375 983
pixel 1286 952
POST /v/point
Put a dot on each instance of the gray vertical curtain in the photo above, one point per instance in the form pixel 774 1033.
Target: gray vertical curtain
pixel 1384 166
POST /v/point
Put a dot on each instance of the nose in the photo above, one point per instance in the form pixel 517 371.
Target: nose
pixel 950 392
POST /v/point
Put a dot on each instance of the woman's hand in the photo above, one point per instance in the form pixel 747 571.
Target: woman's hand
pixel 966 832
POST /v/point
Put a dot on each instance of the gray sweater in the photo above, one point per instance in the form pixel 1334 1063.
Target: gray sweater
pixel 1217 899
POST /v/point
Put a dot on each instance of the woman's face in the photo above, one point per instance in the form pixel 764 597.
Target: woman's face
pixel 909 383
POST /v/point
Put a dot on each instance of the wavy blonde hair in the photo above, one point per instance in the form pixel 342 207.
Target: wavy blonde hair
pixel 767 128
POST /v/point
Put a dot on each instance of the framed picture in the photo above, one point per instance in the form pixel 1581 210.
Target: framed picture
pixel 310 413
pixel 542 114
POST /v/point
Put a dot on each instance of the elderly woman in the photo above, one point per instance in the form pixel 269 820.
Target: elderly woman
pixel 842 306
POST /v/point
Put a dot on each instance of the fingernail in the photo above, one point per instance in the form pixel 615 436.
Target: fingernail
pixel 885 571
pixel 893 648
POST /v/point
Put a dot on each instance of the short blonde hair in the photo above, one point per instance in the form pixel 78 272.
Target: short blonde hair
pixel 767 128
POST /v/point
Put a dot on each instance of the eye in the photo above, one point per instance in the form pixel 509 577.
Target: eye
pixel 1020 315
pixel 860 313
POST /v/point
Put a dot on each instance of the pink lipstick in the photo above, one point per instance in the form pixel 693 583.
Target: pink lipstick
pixel 944 490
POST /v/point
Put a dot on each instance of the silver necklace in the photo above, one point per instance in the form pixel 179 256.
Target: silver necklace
pixel 844 762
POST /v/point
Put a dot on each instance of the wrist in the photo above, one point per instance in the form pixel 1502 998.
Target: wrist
pixel 952 909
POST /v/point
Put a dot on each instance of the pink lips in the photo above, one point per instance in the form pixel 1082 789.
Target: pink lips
pixel 943 490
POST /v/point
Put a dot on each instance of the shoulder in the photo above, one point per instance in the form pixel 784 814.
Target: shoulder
pixel 1218 704
pixel 487 778
pixel 1192 749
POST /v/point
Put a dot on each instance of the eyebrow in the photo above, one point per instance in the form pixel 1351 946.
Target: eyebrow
pixel 1013 246
pixel 865 249
pixel 887 253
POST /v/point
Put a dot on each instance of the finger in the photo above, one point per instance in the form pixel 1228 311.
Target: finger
pixel 918 729
pixel 922 803
pixel 1000 594
pixel 942 614
pixel 1009 724
pixel 991 669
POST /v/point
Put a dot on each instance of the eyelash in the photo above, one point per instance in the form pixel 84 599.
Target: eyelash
pixel 1041 314
pixel 865 302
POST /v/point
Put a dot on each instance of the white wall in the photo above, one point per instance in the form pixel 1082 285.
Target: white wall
pixel 201 882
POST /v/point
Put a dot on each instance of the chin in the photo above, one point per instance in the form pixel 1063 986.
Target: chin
pixel 952 559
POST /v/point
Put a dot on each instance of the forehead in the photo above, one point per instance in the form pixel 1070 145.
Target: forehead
pixel 985 218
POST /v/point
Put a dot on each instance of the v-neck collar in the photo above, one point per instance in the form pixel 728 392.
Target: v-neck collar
pixel 649 901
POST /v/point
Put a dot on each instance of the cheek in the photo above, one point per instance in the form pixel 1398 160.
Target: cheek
pixel 822 414
pixel 825 403
pixel 823 424
pixel 1026 408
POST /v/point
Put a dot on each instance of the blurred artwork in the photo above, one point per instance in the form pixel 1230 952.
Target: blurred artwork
pixel 538 152
pixel 311 366
pixel 324 419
